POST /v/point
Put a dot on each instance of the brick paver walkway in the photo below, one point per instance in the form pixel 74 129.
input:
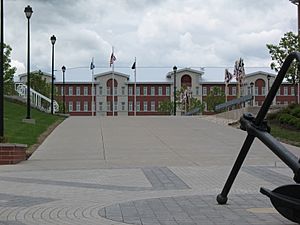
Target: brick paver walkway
pixel 145 170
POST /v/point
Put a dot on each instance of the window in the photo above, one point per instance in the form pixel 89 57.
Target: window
pixel 249 90
pixel 145 91
pixel 130 106
pixel 100 106
pixel 123 106
pixel 292 91
pixel 77 91
pixel 285 91
pixel 204 91
pixel 116 106
pixel 70 106
pixel 70 91
pixel 108 106
pixel 108 91
pixel 56 89
pixel 152 91
pixel 278 92
pixel 145 106
pixel 85 91
pixel 93 91
pixel 85 106
pixel 116 91
pixel 233 91
pixel 123 90
pixel 138 91
pixel 130 91
pixel 62 91
pixel 100 90
pixel 197 90
pixel 160 91
pixel 168 91
pixel 256 91
pixel 78 106
pixel 263 91
pixel 152 106
pixel 138 106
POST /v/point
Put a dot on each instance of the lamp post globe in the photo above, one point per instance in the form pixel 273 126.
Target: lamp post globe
pixel 28 12
pixel 174 71
pixel 53 40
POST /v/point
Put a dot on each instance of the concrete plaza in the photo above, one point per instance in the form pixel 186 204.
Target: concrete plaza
pixel 141 170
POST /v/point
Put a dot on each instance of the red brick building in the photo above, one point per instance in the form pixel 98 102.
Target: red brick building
pixel 150 94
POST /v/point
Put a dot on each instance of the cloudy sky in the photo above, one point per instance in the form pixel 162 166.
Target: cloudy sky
pixel 160 33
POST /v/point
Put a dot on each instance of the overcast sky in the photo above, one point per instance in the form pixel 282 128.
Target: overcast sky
pixel 160 33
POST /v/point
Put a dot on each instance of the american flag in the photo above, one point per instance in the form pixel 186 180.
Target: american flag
pixel 112 59
pixel 228 76
pixel 92 65
pixel 239 70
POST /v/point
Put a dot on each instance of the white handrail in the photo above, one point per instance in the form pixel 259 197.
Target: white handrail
pixel 36 98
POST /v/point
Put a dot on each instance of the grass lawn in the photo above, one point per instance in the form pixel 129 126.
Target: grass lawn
pixel 19 132
pixel 285 135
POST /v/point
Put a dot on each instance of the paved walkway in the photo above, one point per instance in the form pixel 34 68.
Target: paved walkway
pixel 144 170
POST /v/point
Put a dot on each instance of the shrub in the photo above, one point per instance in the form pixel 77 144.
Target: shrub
pixel 296 112
pixel 285 118
pixel 298 125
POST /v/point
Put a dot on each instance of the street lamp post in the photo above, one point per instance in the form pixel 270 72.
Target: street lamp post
pixel 2 74
pixel 28 12
pixel 64 95
pixel 174 70
pixel 53 40
pixel 297 3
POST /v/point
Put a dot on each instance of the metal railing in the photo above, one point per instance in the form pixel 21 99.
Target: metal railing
pixel 38 100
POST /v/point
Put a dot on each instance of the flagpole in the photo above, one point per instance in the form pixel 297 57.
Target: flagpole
pixel 226 90
pixel 113 83
pixel 92 107
pixel 298 91
pixel 135 87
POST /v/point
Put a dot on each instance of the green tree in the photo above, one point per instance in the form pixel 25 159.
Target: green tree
pixel 215 97
pixel 9 71
pixel 39 84
pixel 166 106
pixel 287 44
pixel 188 103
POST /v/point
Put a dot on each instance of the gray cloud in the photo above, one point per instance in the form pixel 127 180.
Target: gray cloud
pixel 157 32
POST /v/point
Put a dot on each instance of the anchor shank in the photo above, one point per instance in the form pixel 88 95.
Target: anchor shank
pixel 275 146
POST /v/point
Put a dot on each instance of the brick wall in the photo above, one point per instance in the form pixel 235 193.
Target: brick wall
pixel 12 153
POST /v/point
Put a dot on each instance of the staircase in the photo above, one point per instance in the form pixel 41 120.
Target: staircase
pixel 38 100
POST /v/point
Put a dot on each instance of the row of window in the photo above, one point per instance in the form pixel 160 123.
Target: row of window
pixel 153 91
pixel 257 92
pixel 147 106
pixel 78 106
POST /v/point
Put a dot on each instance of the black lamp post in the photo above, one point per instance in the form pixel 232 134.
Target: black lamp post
pixel 174 70
pixel 297 3
pixel 1 74
pixel 52 39
pixel 28 12
pixel 64 94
